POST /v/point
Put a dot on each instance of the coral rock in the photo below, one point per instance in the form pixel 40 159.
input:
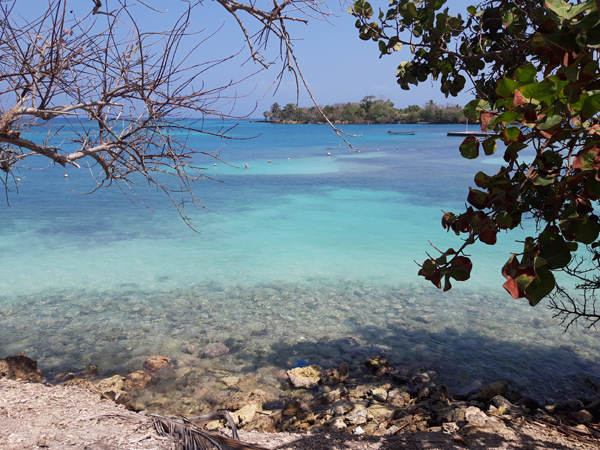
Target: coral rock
pixel 306 377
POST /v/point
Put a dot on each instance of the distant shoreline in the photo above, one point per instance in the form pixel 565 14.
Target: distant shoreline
pixel 291 122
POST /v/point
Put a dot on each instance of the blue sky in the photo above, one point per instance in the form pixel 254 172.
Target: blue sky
pixel 338 66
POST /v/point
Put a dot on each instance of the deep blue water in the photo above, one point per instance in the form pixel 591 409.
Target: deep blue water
pixel 317 249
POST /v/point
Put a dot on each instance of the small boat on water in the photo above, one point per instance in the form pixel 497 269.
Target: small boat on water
pixel 401 133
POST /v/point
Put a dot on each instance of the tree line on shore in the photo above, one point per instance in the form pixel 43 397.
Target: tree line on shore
pixel 369 110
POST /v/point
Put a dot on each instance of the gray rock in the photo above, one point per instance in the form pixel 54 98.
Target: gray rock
pixel 398 397
pixel 450 427
pixel 379 394
pixel 357 418
pixel 338 424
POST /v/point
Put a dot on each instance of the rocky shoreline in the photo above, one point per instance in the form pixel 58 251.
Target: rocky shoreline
pixel 391 402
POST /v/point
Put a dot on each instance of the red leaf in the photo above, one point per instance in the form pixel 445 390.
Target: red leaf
pixel 519 99
pixel 513 288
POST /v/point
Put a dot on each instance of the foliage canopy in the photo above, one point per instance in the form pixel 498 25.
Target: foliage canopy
pixel 533 66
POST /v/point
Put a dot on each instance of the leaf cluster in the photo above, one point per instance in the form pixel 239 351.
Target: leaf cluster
pixel 534 70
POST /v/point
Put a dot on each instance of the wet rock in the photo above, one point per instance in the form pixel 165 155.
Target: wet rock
pixel 570 405
pixel 491 390
pixel 59 378
pixel 20 367
pixel 215 350
pixel 337 375
pixel 513 396
pixel 230 381
pixel 305 377
pixel 138 380
pixel 191 348
pixel 583 416
pixel 157 363
pixel 376 362
pixel 333 396
pixel 529 403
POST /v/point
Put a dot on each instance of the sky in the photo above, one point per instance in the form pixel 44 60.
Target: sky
pixel 338 66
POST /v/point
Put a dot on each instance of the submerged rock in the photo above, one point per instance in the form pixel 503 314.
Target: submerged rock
pixel 305 377
pixel 20 367
pixel 157 363
pixel 376 362
pixel 137 380
pixel 491 390
pixel 215 350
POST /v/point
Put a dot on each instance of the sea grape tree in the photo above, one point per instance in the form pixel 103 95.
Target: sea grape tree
pixel 532 66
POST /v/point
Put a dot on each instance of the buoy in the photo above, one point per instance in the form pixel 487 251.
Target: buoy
pixel 339 144
pixel 66 176
pixel 288 159
pixel 377 149
pixel 328 154
pixel 269 160
pixel 215 164
pixel 246 166
pixel 18 179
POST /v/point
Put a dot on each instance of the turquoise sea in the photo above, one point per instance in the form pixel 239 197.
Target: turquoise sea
pixel 306 259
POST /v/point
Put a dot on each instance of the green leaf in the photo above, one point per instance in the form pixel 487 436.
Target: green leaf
pixel 461 268
pixel 542 91
pixel 474 109
pixel 543 284
pixel 550 122
pixel 583 230
pixel 471 10
pixel 539 180
pixel 512 134
pixel 469 149
pixel 554 250
pixel 477 198
pixel 490 146
pixel 526 73
pixel 591 106
pixel 506 87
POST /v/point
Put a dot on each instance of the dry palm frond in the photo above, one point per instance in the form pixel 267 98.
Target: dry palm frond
pixel 188 437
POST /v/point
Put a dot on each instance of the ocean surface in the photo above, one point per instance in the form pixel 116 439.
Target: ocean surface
pixel 308 258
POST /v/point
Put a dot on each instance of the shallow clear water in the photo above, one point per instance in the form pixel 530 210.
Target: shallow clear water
pixel 306 259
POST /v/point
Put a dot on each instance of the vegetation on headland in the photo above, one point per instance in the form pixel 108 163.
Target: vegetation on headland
pixel 535 71
pixel 369 110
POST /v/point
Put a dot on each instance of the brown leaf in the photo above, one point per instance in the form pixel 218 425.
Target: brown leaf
pixel 519 99
pixel 486 118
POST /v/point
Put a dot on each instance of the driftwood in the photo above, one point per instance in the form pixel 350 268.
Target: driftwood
pixel 187 436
